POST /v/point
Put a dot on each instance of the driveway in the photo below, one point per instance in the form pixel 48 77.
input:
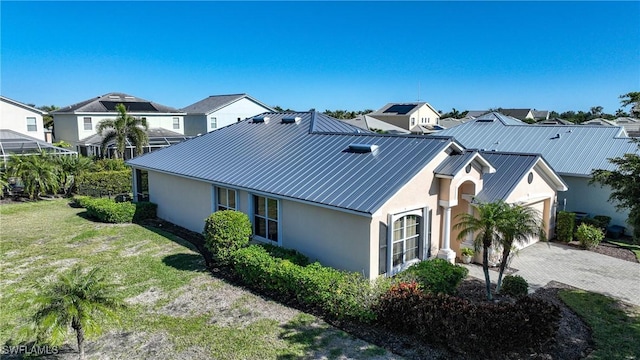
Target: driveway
pixel 543 262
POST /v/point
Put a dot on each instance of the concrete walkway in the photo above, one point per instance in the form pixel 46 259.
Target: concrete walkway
pixel 543 262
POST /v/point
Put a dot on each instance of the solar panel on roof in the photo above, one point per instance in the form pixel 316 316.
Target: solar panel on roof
pixel 130 105
pixel 400 109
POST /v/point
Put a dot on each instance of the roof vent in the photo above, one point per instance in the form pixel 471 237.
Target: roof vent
pixel 129 97
pixel 261 119
pixel 556 137
pixel 363 148
pixel 114 97
pixel 291 119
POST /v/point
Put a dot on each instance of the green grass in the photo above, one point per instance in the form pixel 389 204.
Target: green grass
pixel 626 244
pixel 615 326
pixel 40 240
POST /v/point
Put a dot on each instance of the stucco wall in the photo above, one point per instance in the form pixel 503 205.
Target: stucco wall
pixel 591 199
pixel 242 109
pixel 181 201
pixel 14 118
pixel 430 116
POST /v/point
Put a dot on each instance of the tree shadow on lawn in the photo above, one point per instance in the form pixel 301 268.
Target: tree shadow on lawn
pixel 187 262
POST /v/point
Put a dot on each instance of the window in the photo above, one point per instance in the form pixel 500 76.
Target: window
pixel 226 199
pixel 265 217
pixel 214 122
pixel 413 121
pixel 406 239
pixel 87 124
pixel 176 123
pixel 31 124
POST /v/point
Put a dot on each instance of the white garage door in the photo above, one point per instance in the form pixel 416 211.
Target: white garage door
pixel 539 206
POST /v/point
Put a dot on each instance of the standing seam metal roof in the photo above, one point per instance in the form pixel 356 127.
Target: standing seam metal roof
pixel 511 169
pixel 308 161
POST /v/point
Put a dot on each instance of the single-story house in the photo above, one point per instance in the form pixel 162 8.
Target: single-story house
pixel 354 200
pixel 573 151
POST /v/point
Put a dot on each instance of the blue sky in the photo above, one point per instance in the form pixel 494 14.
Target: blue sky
pixel 331 55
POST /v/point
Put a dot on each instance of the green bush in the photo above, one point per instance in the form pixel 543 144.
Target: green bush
pixel 514 285
pixel 436 276
pixel 81 200
pixel 107 210
pixel 110 165
pixel 565 225
pixel 109 183
pixel 225 232
pixel 467 327
pixel 602 221
pixel 589 236
pixel 145 210
pixel 338 293
pixel 286 254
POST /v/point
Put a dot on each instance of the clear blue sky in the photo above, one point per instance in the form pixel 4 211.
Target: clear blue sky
pixel 336 55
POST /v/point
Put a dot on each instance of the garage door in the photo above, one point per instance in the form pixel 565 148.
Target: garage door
pixel 539 206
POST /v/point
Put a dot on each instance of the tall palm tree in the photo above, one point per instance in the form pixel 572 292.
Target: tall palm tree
pixel 485 226
pixel 39 174
pixel 124 127
pixel 520 224
pixel 77 300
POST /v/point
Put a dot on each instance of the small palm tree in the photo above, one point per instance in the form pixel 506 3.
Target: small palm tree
pixel 70 168
pixel 486 227
pixel 521 223
pixel 124 127
pixel 76 300
pixel 39 174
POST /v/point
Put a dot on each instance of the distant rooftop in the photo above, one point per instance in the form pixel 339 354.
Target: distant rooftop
pixel 107 103
pixel 215 102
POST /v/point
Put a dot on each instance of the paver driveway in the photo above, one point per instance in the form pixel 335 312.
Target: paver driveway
pixel 587 270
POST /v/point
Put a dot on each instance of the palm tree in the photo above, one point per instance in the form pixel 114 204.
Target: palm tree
pixel 124 127
pixel 76 300
pixel 70 168
pixel 487 226
pixel 39 174
pixel 521 223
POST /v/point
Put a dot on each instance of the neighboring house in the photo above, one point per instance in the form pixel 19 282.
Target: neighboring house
pixel 573 151
pixel 21 118
pixel 452 122
pixel 407 115
pixel 540 115
pixel 158 138
pixel 353 200
pixel 367 122
pixel 15 143
pixel 426 129
pixel 554 121
pixel 520 114
pixel 75 123
pixel 218 111
pixel 630 125
pixel 599 121
pixel 472 114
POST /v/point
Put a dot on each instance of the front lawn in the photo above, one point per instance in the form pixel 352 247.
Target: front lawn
pixel 176 309
pixel 628 244
pixel 615 325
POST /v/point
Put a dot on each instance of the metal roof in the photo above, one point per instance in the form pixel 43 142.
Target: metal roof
pixel 307 161
pixel 105 103
pixel 511 169
pixel 215 102
pixel 370 123
pixel 454 163
pixel 569 149
pixel 13 142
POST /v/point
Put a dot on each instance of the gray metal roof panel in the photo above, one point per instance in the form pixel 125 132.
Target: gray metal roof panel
pixel 510 169
pixel 291 160
pixel 577 150
pixel 454 163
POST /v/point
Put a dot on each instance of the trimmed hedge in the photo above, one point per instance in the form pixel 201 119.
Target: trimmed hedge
pixel 107 210
pixel 565 225
pixel 514 285
pixel 484 329
pixel 145 210
pixel 225 232
pixel 338 293
pixel 104 183
pixel 436 276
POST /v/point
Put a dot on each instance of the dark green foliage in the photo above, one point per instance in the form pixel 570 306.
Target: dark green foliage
pixel 81 200
pixel 104 183
pixel 484 329
pixel 515 285
pixel 436 276
pixel 110 165
pixel 145 210
pixel 107 210
pixel 589 236
pixel 602 221
pixel 565 225
pixel 286 254
pixel 225 232
pixel 339 294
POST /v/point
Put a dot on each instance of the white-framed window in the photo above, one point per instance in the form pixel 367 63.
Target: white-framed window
pixel 407 240
pixel 265 218
pixel 87 123
pixel 413 121
pixel 31 124
pixel 176 123
pixel 225 199
pixel 213 121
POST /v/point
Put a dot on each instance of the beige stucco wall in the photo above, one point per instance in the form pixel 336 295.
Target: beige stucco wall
pixel 13 117
pixel 430 116
pixel 181 201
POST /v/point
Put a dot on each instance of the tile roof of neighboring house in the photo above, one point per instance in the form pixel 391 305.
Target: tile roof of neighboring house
pixel 108 102
pixel 569 149
pixel 23 105
pixel 13 142
pixel 212 103
pixel 306 161
pixel 401 109
pixel 367 122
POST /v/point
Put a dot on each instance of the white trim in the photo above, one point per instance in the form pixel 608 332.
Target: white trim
pixel 391 218
pixel 266 217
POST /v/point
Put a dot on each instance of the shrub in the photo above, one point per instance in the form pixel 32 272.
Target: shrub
pixel 437 276
pixel 145 210
pixel 104 183
pixel 107 210
pixel 589 236
pixel 286 254
pixel 602 221
pixel 565 225
pixel 110 165
pixel 463 326
pixel 81 201
pixel 514 285
pixel 225 232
